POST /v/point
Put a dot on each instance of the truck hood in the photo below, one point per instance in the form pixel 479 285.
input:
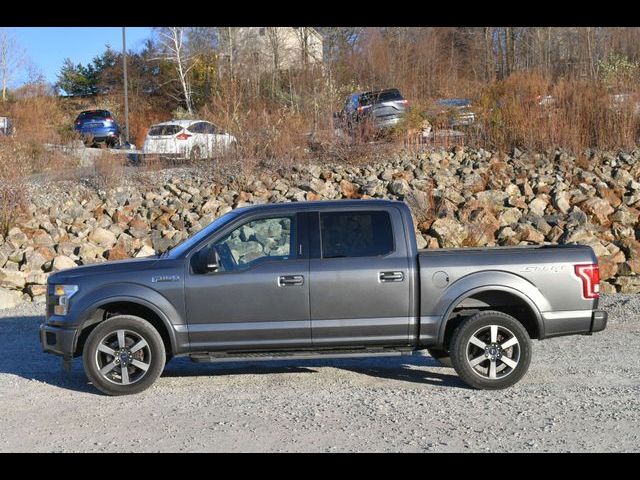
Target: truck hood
pixel 117 266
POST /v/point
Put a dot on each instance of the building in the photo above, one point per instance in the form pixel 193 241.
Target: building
pixel 273 48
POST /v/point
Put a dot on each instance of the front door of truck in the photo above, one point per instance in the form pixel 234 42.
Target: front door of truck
pixel 359 279
pixel 258 296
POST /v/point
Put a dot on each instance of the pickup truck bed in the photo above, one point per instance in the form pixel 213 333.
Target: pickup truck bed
pixel 539 280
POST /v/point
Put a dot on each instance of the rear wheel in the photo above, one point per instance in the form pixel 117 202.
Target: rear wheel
pixel 490 350
pixel 123 355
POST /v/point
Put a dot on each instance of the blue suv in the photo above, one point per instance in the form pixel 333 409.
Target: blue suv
pixel 97 126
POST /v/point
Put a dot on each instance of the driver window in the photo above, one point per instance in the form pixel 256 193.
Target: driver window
pixel 256 241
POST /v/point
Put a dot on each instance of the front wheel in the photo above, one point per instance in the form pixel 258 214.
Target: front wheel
pixel 490 350
pixel 123 355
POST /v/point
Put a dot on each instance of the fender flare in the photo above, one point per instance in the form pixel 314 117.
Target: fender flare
pixel 131 293
pixel 506 282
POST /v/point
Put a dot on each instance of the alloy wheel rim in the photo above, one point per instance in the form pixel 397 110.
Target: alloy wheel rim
pixel 493 352
pixel 123 357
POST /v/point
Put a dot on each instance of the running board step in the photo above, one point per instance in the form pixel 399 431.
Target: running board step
pixel 296 355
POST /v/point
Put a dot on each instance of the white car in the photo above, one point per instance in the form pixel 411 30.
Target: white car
pixel 191 139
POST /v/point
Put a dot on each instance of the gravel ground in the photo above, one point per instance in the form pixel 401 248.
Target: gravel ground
pixel 582 393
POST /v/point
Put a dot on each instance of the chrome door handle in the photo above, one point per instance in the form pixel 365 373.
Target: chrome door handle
pixel 385 277
pixel 290 280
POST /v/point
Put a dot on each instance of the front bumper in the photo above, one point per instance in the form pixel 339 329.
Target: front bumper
pixel 59 341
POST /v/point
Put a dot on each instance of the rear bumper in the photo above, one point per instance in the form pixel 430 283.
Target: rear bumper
pixel 59 341
pixel 598 321
pixel 578 322
pixel 382 123
pixel 103 133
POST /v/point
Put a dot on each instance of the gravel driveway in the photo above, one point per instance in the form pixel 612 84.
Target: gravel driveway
pixel 582 393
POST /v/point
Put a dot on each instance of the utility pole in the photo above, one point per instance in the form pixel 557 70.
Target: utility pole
pixel 126 92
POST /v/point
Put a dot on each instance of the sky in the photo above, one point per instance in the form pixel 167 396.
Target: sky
pixel 47 47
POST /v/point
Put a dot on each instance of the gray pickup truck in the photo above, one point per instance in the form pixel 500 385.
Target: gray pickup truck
pixel 319 280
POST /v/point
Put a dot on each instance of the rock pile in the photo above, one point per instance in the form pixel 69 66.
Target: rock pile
pixel 460 198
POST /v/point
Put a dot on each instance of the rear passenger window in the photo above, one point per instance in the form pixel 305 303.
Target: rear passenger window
pixel 355 234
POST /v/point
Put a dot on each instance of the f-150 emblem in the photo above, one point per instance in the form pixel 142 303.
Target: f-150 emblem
pixel 165 278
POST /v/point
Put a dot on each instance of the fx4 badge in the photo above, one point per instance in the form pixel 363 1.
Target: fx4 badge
pixel 165 278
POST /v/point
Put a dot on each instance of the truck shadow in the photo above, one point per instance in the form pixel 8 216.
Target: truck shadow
pixel 22 356
pixel 415 369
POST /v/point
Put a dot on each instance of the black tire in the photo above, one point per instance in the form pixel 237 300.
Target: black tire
pixel 491 370
pixel 442 356
pixel 116 381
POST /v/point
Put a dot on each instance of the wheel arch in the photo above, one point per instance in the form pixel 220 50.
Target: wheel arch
pixel 125 305
pixel 501 298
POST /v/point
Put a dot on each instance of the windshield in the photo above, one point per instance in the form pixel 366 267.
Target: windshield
pixel 181 248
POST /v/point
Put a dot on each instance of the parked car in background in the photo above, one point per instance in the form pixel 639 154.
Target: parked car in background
pixel 6 127
pixel 96 127
pixel 187 139
pixel 455 112
pixel 379 110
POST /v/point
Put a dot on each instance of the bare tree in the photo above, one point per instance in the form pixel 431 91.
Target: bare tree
pixel 172 41
pixel 228 39
pixel 12 58
pixel 275 41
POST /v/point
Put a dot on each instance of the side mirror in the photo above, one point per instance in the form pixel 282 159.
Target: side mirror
pixel 206 260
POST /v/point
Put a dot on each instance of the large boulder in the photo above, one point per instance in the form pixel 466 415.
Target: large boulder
pixel 9 298
pixel 629 284
pixel 528 233
pixel 145 251
pixel 538 205
pixel 599 209
pixel 348 189
pixel 103 237
pixel 399 187
pixel 62 262
pixel 12 279
pixel 482 228
pixel 449 232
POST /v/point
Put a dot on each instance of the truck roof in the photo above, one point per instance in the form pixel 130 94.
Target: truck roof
pixel 322 204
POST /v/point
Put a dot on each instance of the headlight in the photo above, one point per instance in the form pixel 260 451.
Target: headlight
pixel 62 294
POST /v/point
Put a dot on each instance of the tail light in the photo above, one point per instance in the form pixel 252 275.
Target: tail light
pixel 182 136
pixel 405 101
pixel 109 119
pixel 590 276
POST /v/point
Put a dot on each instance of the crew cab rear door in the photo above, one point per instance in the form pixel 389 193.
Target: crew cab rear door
pixel 359 278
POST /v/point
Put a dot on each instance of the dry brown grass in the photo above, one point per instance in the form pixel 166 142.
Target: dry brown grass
pixel 108 171
pixel 581 117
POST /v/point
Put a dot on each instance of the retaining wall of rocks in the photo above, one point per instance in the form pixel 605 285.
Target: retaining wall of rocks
pixel 461 198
